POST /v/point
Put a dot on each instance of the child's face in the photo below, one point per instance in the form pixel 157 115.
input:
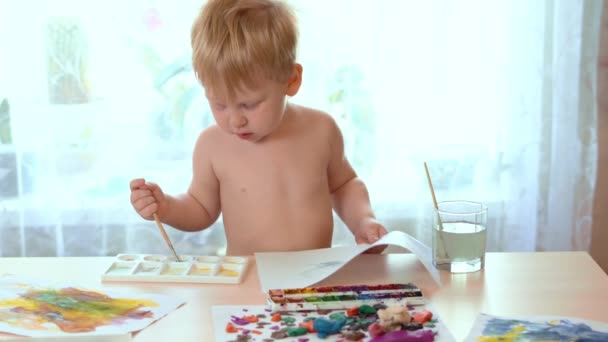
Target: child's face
pixel 253 113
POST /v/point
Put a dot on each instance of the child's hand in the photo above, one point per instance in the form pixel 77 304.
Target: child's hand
pixel 147 199
pixel 369 232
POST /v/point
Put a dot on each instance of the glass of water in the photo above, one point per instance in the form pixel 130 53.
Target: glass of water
pixel 459 236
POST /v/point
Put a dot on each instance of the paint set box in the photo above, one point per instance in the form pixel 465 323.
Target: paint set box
pixel 343 297
pixel 166 269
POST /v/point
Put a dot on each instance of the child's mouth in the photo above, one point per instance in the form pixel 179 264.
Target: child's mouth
pixel 244 136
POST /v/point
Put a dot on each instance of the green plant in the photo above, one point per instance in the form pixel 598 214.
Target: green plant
pixel 5 123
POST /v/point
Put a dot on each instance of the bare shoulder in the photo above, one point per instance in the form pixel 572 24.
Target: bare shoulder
pixel 323 128
pixel 210 134
pixel 320 120
pixel 207 143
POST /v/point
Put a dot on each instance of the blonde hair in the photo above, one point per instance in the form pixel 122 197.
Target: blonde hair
pixel 234 42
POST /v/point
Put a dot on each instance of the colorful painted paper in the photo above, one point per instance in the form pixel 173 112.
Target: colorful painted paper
pixel 306 268
pixel 488 328
pixel 35 307
pixel 259 323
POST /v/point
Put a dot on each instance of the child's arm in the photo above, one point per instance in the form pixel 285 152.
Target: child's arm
pixel 199 208
pixel 349 194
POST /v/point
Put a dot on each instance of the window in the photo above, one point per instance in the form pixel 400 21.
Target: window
pixel 95 94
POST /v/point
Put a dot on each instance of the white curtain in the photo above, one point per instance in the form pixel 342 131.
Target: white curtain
pixel 497 96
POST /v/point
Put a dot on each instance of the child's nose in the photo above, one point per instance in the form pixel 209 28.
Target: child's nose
pixel 237 120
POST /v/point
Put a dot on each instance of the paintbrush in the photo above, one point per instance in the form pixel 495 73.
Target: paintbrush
pixel 165 236
pixel 428 177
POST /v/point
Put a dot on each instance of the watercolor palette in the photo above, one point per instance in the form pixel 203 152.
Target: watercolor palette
pixel 343 297
pixel 164 269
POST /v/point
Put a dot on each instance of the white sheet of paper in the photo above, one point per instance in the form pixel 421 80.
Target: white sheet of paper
pixel 222 315
pixel 26 311
pixel 537 328
pixel 74 338
pixel 306 268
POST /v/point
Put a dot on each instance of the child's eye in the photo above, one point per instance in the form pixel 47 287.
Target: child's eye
pixel 250 105
pixel 218 106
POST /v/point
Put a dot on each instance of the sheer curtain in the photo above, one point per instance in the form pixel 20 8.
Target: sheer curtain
pixel 600 215
pixel 498 97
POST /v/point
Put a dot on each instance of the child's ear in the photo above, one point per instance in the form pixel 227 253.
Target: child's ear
pixel 295 80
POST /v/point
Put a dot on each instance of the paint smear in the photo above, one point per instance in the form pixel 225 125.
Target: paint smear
pixel 229 273
pixel 500 330
pixel 201 271
pixel 71 310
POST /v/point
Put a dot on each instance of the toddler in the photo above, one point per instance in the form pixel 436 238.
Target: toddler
pixel 273 169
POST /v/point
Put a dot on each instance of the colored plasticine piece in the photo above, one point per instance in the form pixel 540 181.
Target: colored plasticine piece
pixel 365 323
pixel 230 328
pixel 406 336
pixel 393 317
pixel 412 326
pixel 243 338
pixel 250 318
pixel 422 316
pixel 353 335
pixel 339 316
pixel 238 320
pixel 288 319
pixel 367 310
pixel 280 334
pixel 375 329
pixel 297 331
pixel 358 324
pixel 352 312
pixel 309 325
pixel 379 306
pixel 276 317
pixel 326 327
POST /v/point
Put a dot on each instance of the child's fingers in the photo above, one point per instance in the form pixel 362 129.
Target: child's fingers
pixel 375 233
pixel 156 190
pixel 145 197
pixel 137 183
pixel 381 231
pixel 146 206
pixel 367 234
pixel 151 185
pixel 148 211
pixel 143 202
pixel 138 194
pixel 372 233
pixel 372 236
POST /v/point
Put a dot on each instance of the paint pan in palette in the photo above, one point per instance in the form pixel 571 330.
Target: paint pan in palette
pixel 164 269
pixel 343 297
